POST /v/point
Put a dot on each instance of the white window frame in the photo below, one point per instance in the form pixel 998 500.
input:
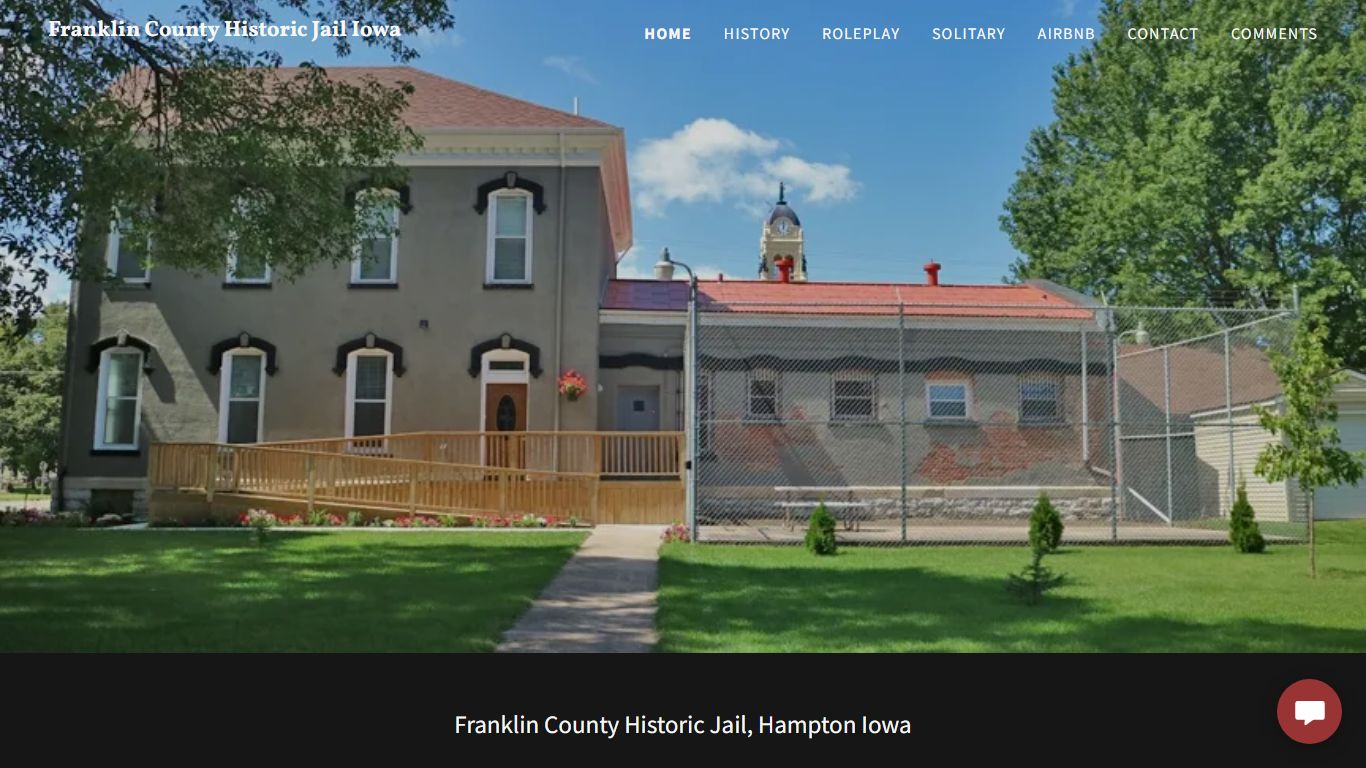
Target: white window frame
pixel 491 235
pixel 391 197
pixel 232 272
pixel 351 389
pixel 111 254
pixel 967 399
pixel 101 402
pixel 856 376
pixel 764 374
pixel 232 262
pixel 1057 399
pixel 225 392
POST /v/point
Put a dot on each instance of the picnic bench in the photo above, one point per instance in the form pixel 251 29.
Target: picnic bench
pixel 849 511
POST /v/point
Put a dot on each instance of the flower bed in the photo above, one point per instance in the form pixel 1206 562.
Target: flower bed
pixel 41 518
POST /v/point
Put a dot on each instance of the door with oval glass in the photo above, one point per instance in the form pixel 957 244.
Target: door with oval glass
pixel 505 425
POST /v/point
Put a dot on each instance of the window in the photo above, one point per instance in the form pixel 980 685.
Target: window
pixel 126 260
pixel 369 392
pixel 509 237
pixel 241 397
pixel 248 270
pixel 763 395
pixel 1039 401
pixel 947 399
pixel 853 396
pixel 377 257
pixel 118 410
pixel 247 261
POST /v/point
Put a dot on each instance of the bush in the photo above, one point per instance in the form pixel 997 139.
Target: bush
pixel 355 518
pixel 260 522
pixel 1045 526
pixel 820 533
pixel 1243 530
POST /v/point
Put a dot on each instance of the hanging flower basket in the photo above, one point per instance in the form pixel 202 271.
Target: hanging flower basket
pixel 572 384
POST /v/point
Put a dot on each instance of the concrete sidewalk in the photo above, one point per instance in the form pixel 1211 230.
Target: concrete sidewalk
pixel 602 601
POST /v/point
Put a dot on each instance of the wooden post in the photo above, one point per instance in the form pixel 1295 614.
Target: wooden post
pixel 311 479
pixel 503 493
pixel 210 472
pixel 597 454
pixel 412 489
pixel 593 499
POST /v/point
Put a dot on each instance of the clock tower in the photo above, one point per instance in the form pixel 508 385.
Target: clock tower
pixel 782 246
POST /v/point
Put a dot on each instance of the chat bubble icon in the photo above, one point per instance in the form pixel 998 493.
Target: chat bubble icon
pixel 1308 711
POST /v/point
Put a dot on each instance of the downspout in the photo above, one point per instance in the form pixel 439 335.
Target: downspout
pixel 559 292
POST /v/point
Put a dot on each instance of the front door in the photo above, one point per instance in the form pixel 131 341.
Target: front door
pixel 638 409
pixel 505 412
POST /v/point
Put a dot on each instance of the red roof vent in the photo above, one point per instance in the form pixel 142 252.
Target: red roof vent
pixel 932 273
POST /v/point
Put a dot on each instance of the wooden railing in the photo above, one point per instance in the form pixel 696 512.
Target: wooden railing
pixel 321 478
pixel 618 454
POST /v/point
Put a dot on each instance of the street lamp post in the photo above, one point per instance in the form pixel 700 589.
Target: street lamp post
pixel 664 270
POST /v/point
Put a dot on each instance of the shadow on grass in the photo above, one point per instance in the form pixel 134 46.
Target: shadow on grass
pixel 707 606
pixel 163 591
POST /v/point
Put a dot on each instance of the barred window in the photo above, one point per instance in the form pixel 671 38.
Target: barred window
pixel 853 396
pixel 764 395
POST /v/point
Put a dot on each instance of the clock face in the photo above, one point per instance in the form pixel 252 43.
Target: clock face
pixel 783 226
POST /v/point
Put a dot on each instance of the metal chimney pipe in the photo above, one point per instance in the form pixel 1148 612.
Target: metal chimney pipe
pixel 932 273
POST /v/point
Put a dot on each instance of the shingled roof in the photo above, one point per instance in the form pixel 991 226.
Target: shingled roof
pixel 436 102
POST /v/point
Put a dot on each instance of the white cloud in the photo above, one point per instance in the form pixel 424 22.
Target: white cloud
pixel 572 66
pixel 714 160
pixel 1066 8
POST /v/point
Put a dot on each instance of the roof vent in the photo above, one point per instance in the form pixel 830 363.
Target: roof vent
pixel 932 273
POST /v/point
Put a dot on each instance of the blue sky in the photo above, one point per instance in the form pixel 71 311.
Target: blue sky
pixel 898 152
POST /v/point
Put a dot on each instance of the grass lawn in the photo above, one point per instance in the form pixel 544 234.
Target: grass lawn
pixel 88 590
pixel 19 494
pixel 1157 598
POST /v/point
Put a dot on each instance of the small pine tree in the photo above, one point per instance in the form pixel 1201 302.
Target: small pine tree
pixel 1243 530
pixel 1033 580
pixel 820 533
pixel 1045 526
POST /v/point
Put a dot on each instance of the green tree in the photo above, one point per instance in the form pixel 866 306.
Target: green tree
pixel 31 393
pixel 1045 525
pixel 1243 531
pixel 1309 450
pixel 198 147
pixel 820 532
pixel 1211 172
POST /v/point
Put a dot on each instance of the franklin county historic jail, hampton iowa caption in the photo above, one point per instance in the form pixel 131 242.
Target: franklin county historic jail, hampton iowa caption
pixel 642 725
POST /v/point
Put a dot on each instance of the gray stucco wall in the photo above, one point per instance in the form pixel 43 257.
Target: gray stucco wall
pixel 440 279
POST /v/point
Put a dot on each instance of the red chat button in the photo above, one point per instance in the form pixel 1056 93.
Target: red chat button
pixel 1309 711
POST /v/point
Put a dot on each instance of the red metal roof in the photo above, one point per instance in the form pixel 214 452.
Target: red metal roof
pixel 821 298
pixel 436 102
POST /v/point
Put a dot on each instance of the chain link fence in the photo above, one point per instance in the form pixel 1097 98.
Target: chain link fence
pixel 917 423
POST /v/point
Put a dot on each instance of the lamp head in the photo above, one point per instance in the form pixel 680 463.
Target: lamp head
pixel 1141 336
pixel 664 268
